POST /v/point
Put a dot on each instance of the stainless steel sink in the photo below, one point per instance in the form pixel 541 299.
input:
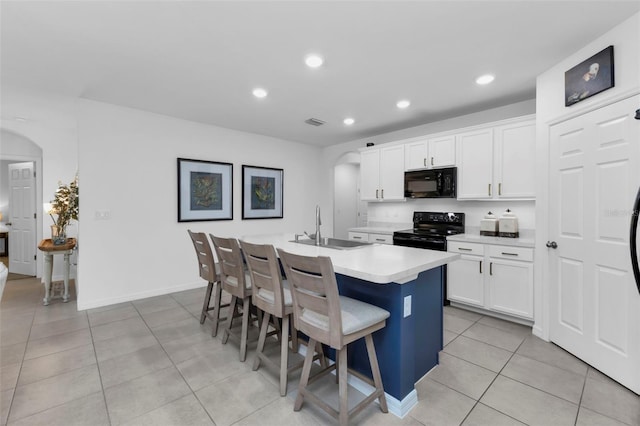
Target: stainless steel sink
pixel 334 243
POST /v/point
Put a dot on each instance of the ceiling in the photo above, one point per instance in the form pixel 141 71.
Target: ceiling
pixel 201 60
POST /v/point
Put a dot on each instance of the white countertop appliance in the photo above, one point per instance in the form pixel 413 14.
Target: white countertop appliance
pixel 489 225
pixel 508 225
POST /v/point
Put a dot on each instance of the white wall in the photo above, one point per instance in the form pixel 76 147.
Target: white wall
pixel 550 107
pixel 128 166
pixel 345 199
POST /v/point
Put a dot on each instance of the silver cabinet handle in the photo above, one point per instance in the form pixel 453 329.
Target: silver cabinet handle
pixel 382 194
pixel 464 249
pixel 380 239
pixel 377 194
pixel 480 263
pixel 500 189
pixel 424 161
pixel 432 161
pixel 490 268
pixel 509 254
pixel 357 238
pixel 489 189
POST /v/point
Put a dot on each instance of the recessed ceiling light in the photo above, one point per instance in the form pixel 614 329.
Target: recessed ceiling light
pixel 259 92
pixel 403 104
pixel 485 79
pixel 314 61
pixel 349 121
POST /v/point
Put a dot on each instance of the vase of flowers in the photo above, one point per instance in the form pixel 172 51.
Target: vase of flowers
pixel 65 207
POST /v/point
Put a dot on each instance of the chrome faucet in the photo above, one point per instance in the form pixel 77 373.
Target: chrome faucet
pixel 318 223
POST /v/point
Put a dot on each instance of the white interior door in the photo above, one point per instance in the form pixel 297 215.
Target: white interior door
pixel 22 210
pixel 594 302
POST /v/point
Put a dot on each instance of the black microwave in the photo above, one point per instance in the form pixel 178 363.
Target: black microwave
pixel 434 183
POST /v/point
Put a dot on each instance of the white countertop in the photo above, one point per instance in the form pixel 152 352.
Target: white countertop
pixel 472 235
pixel 377 263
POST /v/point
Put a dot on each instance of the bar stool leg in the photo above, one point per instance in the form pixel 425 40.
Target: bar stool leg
pixel 246 312
pixel 216 309
pixel 342 386
pixel 261 340
pixel 207 301
pixel 233 308
pixel 375 371
pixel 304 376
pixel 284 355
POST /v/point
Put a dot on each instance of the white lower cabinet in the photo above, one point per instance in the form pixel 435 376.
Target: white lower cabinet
pixel 491 277
pixel 371 237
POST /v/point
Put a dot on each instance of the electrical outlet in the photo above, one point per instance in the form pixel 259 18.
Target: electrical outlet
pixel 407 306
pixel 103 214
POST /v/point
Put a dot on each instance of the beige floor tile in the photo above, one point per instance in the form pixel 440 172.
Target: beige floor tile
pixel 538 349
pixel 479 353
pixel 132 365
pixel 126 327
pixel 219 364
pixel 199 344
pixel 60 362
pixel 5 404
pixel 509 326
pixel 89 410
pixel 556 381
pixel 448 337
pixel 121 345
pixel 155 304
pixel 481 415
pixel 180 329
pixel 136 397
pixel 587 417
pixel 16 335
pixel 58 327
pixel 280 412
pixel 462 313
pixel 529 405
pixel 462 376
pixel 9 376
pixel 185 411
pixel 456 324
pixel 439 405
pixel 104 316
pixel 48 393
pixel 612 400
pixel 188 297
pixel 57 311
pixel 234 398
pixel 59 343
pixel 12 354
pixel 494 336
pixel 172 315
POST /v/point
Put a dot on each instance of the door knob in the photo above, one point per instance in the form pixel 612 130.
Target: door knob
pixel 552 244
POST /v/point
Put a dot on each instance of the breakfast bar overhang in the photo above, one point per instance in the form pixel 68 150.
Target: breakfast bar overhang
pixel 405 281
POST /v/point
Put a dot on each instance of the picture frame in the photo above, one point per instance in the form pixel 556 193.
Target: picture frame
pixel 590 77
pixel 262 192
pixel 205 190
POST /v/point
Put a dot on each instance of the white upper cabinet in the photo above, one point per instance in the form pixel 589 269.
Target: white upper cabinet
pixel 515 146
pixel 382 174
pixel 497 162
pixel 475 165
pixel 430 153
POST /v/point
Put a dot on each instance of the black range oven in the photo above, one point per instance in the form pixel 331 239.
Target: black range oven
pixel 430 231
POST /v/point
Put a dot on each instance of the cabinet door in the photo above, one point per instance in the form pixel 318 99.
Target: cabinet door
pixel 511 287
pixel 475 165
pixel 370 175
pixel 392 173
pixel 515 160
pixel 442 152
pixel 465 280
pixel 415 155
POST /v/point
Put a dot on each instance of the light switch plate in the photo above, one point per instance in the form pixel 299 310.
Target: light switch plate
pixel 407 306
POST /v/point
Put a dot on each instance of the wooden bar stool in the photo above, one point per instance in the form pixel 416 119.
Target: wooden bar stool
pixel 208 272
pixel 235 280
pixel 334 320
pixel 271 295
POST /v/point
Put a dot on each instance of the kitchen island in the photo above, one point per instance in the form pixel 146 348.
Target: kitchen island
pixel 405 281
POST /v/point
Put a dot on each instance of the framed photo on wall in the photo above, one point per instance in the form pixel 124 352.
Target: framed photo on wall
pixel 590 77
pixel 205 190
pixel 261 192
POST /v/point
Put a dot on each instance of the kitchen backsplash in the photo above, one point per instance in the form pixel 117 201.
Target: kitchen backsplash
pixel 474 210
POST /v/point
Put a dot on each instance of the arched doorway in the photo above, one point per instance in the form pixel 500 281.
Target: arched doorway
pixel 348 210
pixel 16 149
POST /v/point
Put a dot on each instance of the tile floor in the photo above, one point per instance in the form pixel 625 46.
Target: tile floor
pixel 150 362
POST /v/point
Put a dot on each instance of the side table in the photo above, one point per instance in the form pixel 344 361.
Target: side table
pixel 50 250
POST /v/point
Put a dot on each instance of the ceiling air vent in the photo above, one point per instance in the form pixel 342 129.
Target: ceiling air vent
pixel 314 122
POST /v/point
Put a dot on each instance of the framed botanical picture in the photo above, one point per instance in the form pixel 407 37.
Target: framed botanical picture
pixel 591 76
pixel 261 192
pixel 205 190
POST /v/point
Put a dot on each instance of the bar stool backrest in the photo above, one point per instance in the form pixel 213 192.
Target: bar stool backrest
pixel 206 262
pixel 316 302
pixel 266 279
pixel 232 272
